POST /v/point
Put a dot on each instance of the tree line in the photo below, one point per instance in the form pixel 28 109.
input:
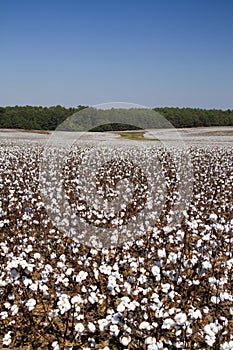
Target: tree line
pixel 48 118
pixel 194 117
pixel 34 117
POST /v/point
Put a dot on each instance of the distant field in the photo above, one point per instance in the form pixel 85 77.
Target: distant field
pixel 135 135
pixel 218 133
pixel 209 135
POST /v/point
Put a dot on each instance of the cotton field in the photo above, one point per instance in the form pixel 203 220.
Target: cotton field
pixel 140 259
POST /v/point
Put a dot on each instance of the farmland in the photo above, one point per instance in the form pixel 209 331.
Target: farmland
pixel 162 282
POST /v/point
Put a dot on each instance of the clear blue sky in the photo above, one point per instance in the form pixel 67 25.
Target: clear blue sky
pixel 151 52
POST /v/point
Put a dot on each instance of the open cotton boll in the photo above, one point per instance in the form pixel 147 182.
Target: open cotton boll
pixel 180 318
pixel 14 310
pixel 168 323
pixel 227 345
pixel 79 327
pixel 161 253
pixel 91 326
pixel 145 325
pixel 31 304
pixel 7 339
pixel 55 345
pixel 102 324
pixel 125 340
pixel 213 217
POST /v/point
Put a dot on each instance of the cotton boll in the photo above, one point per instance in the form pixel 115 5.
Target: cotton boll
pixel 155 270
pixel 3 315
pixel 91 326
pixel 79 327
pixel 206 265
pixel 7 339
pixel 31 304
pixel 161 253
pixel 102 324
pixel 180 318
pixel 215 300
pixel 125 340
pixel 213 217
pixel 14 310
pixel 210 340
pixel 168 323
pixel 55 345
pixel 145 325
pixel 166 287
pixel 227 345
pixel 114 330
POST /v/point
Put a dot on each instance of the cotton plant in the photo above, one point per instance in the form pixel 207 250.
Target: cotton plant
pixel 168 287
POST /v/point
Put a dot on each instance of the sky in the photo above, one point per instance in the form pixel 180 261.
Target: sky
pixel 155 53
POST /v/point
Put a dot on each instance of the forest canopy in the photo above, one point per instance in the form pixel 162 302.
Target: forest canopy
pixel 48 118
